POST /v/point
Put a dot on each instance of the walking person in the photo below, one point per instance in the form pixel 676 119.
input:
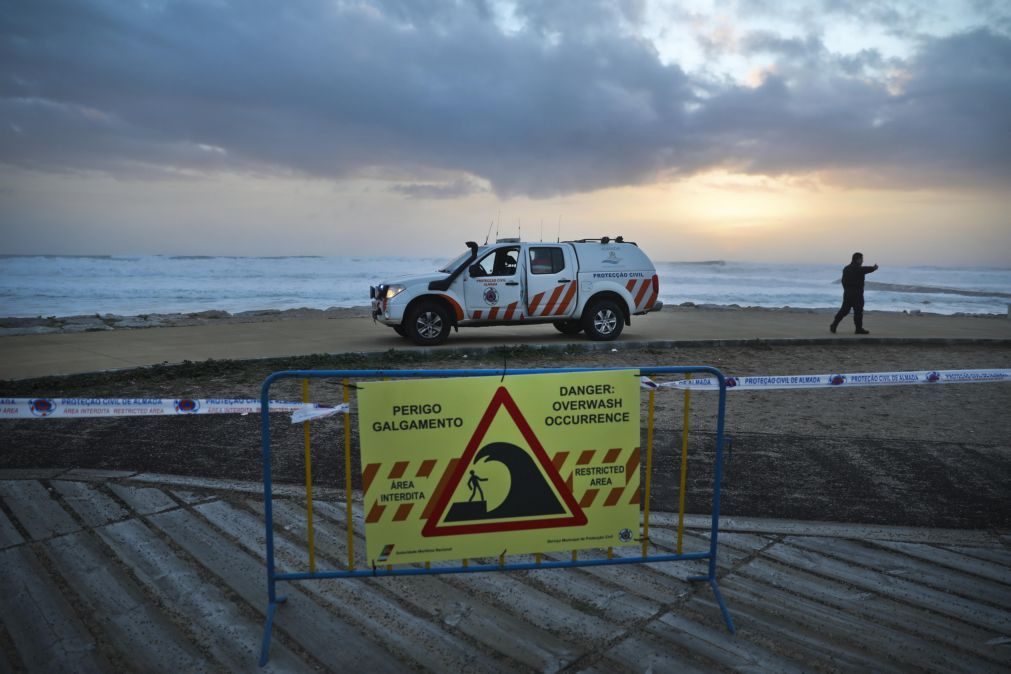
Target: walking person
pixel 853 293
pixel 475 485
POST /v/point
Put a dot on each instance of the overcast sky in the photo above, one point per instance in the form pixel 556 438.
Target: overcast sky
pixel 755 129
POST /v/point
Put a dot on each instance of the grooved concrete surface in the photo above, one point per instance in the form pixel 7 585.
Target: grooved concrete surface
pixel 110 571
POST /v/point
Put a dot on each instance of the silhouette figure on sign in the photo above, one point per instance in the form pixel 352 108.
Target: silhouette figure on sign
pixel 475 486
pixel 529 493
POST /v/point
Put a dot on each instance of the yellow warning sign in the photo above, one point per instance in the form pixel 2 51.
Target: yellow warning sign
pixel 479 467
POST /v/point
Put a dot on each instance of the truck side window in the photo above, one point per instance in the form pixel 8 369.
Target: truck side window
pixel 546 260
pixel 502 262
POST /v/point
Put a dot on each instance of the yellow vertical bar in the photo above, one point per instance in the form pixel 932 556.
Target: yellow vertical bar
pixel 347 475
pixel 466 563
pixel 538 557
pixel 649 473
pixel 310 534
pixel 610 553
pixel 574 555
pixel 684 467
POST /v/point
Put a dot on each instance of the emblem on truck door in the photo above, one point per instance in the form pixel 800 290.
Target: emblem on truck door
pixel 611 259
pixel 491 296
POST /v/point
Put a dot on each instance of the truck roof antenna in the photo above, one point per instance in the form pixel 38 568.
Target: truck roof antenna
pixel 489 232
pixel 558 239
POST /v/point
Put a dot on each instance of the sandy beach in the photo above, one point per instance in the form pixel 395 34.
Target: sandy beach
pixel 39 347
pixel 915 455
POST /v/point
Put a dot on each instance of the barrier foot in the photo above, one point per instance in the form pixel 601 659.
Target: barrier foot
pixel 723 607
pixel 265 644
pixel 719 600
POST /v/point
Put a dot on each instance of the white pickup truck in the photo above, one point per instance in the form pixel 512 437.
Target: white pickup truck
pixel 590 285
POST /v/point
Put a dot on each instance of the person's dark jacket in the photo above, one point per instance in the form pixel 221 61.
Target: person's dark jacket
pixel 853 277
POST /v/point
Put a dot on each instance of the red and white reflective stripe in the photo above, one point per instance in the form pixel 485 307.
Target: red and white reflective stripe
pixel 81 408
pixel 508 313
pixel 843 380
pixel 639 289
pixel 557 303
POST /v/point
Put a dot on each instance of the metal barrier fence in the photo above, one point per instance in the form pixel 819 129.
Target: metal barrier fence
pixel 466 567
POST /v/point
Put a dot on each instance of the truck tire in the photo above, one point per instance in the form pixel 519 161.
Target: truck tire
pixel 399 329
pixel 568 327
pixel 603 320
pixel 427 324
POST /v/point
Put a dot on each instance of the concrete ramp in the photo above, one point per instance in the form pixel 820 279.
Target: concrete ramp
pixel 110 571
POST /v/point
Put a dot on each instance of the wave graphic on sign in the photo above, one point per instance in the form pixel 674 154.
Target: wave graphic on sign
pixel 537 490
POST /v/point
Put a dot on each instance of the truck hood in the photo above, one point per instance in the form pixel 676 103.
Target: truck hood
pixel 409 281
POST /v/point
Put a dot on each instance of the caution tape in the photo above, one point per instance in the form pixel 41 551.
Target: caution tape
pixel 857 379
pixel 80 408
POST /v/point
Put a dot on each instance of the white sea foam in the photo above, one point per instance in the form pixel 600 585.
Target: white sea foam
pixel 67 286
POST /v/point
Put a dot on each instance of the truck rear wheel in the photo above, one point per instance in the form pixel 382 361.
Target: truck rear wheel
pixel 427 324
pixel 568 327
pixel 603 320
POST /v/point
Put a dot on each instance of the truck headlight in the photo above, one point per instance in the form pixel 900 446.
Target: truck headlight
pixel 393 290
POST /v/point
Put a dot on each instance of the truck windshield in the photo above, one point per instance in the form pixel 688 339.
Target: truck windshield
pixel 451 266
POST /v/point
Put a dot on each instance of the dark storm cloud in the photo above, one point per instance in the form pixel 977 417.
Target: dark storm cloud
pixel 565 99
pixel 458 188
pixel 946 123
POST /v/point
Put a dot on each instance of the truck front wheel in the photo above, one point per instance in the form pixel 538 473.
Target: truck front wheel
pixel 427 324
pixel 603 320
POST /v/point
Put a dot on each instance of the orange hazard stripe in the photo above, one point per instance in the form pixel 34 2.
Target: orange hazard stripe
pixel 509 311
pixel 612 455
pixel 398 470
pixel 585 457
pixel 568 298
pixel 630 285
pixel 551 301
pixel 532 309
pixel 559 460
pixel 588 498
pixel 402 512
pixel 375 513
pixel 477 314
pixel 635 497
pixel 613 497
pixel 438 490
pixel 632 465
pixel 457 309
pixel 367 476
pixel 642 292
pixel 426 468
pixel 493 314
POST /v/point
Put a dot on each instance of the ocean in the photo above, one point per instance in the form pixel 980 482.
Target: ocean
pixel 53 285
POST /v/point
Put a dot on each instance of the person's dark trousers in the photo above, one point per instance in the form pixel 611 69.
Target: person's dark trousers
pixel 854 301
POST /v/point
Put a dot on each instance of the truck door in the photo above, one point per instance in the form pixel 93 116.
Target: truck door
pixel 551 281
pixel 491 287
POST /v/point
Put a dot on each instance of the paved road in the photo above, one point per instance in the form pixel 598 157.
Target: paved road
pixel 27 356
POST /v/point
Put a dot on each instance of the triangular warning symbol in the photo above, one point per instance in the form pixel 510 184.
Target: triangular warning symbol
pixel 569 513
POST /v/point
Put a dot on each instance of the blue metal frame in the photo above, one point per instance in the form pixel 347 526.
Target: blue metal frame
pixel 273 576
